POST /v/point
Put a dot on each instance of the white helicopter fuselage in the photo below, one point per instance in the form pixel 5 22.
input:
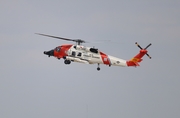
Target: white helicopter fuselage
pixel 89 55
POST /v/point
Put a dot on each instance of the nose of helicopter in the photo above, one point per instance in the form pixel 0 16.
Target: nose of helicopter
pixel 49 53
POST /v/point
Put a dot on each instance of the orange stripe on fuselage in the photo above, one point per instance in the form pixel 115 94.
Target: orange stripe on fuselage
pixel 105 59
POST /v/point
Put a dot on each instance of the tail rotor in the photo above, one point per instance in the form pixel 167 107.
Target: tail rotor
pixel 144 48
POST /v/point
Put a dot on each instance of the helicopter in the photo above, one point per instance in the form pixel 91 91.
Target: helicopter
pixel 90 55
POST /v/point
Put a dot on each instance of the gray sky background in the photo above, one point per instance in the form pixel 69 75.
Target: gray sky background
pixel 35 86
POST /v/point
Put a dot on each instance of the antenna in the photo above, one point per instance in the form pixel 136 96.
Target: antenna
pixel 87 111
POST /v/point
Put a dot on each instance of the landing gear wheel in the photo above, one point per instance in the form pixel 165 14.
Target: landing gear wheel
pixel 67 61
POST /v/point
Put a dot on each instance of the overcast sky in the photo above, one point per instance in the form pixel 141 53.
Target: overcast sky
pixel 35 86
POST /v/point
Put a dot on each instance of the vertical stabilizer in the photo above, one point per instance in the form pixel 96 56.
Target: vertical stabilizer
pixel 138 58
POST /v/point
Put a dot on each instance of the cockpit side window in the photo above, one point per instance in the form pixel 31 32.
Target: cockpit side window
pixel 57 49
pixel 79 54
pixel 73 53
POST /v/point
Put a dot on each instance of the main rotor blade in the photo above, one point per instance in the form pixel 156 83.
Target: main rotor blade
pixel 138 45
pixel 78 41
pixel 57 37
pixel 148 46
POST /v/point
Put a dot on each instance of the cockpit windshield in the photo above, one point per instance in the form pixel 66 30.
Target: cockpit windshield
pixel 57 49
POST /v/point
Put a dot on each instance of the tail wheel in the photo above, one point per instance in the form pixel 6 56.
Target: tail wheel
pixel 98 68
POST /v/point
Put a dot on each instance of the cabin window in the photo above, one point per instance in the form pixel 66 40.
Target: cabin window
pixel 73 53
pixel 79 54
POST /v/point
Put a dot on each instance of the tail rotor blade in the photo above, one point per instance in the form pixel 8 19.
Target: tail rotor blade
pixel 138 45
pixel 148 55
pixel 148 46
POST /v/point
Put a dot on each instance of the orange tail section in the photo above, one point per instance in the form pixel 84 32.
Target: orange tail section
pixel 138 58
